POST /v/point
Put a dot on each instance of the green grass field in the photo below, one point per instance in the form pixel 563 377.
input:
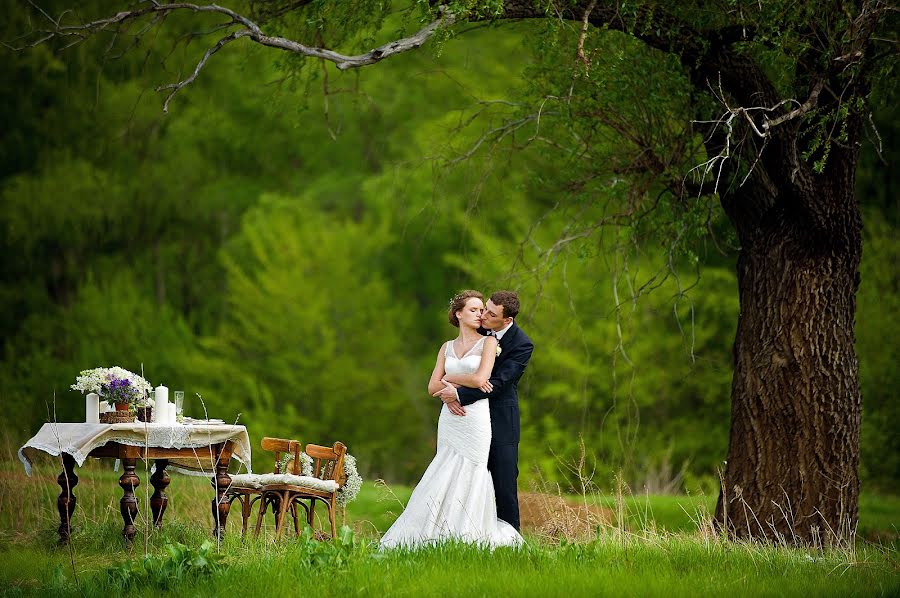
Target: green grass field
pixel 656 550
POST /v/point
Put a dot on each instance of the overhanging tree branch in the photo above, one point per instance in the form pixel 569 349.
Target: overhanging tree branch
pixel 175 87
pixel 248 29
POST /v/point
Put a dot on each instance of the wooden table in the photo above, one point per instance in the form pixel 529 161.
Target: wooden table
pixel 217 454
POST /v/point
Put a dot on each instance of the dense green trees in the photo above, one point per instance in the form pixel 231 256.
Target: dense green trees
pixel 286 249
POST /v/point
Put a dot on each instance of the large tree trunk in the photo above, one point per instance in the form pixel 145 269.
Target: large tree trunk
pixel 792 469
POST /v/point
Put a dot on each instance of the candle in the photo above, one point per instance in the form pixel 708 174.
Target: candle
pixel 161 405
pixel 92 408
pixel 161 394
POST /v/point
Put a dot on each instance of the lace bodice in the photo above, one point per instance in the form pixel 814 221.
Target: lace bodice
pixel 467 363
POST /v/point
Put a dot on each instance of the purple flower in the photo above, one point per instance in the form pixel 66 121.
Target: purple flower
pixel 121 390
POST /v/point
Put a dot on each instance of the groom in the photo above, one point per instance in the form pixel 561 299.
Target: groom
pixel 514 351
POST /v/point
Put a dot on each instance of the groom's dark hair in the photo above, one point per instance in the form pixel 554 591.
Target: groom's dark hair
pixel 509 301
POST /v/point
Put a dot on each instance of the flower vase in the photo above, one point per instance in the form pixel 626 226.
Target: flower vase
pixel 121 406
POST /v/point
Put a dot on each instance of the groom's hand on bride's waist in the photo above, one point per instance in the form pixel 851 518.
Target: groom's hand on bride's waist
pixel 455 408
pixel 450 397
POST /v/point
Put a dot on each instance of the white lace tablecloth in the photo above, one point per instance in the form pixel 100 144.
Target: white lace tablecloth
pixel 77 440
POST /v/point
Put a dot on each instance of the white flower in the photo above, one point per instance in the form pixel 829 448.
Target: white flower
pixel 284 462
pixel 498 349
pixel 352 484
pixel 306 464
pixel 91 380
pixel 97 380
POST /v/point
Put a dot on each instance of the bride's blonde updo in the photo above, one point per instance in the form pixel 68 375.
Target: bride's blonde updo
pixel 458 302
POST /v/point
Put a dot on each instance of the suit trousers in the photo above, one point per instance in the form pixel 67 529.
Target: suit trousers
pixel 503 463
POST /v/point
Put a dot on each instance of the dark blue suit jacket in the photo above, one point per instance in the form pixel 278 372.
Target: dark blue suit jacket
pixel 515 351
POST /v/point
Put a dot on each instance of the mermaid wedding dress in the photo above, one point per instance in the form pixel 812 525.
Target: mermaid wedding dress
pixel 454 500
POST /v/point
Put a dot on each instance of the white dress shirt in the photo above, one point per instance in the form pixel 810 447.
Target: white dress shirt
pixel 499 333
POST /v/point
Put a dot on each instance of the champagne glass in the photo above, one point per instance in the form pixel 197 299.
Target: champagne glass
pixel 179 406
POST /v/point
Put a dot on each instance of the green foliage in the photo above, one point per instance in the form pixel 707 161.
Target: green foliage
pixel 604 374
pixel 333 554
pixel 107 324
pixel 656 542
pixel 181 564
pixel 284 241
pixel 876 327
pixel 336 341
pixel 652 564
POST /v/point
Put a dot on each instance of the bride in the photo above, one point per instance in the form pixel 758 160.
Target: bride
pixel 454 500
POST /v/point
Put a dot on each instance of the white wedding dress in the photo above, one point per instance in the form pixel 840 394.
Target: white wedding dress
pixel 454 500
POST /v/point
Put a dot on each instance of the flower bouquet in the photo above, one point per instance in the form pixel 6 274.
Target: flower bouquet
pixel 125 389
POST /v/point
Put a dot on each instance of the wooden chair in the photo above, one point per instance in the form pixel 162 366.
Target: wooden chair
pixel 248 488
pixel 292 491
pixel 328 464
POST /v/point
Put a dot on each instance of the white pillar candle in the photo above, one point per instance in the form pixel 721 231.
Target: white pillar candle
pixel 104 406
pixel 92 408
pixel 161 405
pixel 161 394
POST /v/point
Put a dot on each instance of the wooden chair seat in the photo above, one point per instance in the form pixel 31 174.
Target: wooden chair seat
pixel 257 481
pixel 249 481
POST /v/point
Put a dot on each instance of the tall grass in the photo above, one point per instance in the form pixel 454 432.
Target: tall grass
pixel 652 546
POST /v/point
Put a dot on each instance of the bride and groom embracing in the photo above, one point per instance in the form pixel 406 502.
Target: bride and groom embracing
pixel 468 492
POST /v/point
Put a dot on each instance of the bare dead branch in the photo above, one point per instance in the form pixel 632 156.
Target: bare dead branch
pixel 808 105
pixel 344 62
pixel 584 29
pixel 175 87
pixel 249 29
pixel 764 131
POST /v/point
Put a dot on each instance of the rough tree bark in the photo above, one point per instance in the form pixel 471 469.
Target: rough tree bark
pixel 792 469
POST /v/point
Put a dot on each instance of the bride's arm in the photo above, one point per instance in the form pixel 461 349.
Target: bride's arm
pixel 435 384
pixel 488 355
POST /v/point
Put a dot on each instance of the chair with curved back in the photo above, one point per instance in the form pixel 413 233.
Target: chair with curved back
pixel 286 492
pixel 328 464
pixel 247 488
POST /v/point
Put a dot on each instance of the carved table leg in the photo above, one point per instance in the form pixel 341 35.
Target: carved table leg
pixel 159 500
pixel 128 505
pixel 65 504
pixel 220 505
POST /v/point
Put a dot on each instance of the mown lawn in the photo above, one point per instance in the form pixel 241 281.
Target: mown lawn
pixel 657 550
